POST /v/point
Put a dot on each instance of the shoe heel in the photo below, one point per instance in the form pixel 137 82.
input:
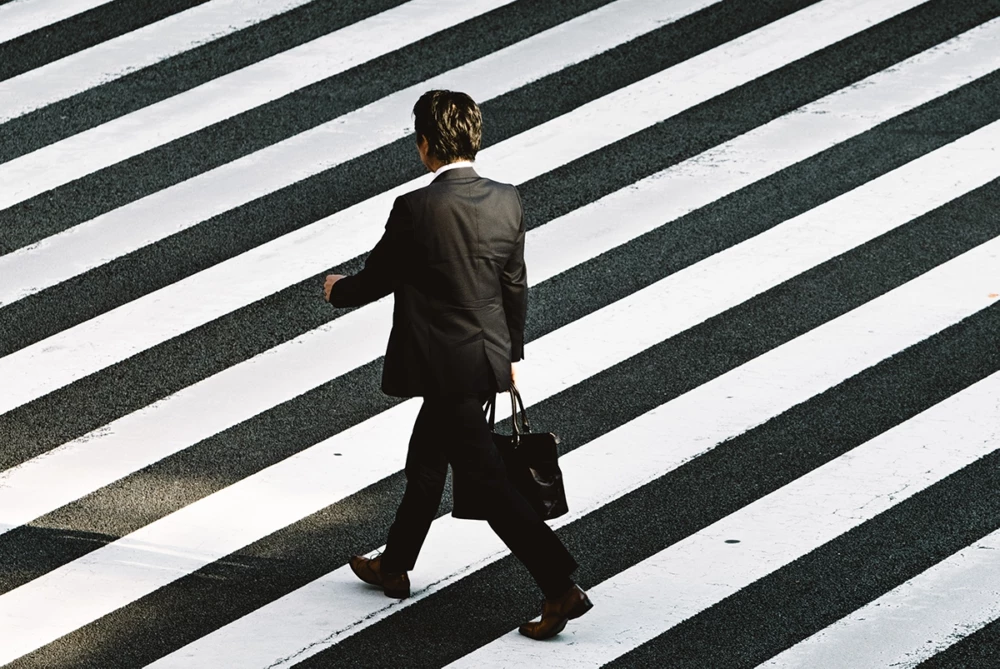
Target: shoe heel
pixel 581 607
pixel 396 594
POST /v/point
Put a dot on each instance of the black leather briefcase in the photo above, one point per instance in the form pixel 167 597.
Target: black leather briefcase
pixel 531 460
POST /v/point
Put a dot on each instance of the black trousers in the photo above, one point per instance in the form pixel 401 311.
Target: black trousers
pixel 452 429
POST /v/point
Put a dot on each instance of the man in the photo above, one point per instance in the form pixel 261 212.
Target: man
pixel 453 255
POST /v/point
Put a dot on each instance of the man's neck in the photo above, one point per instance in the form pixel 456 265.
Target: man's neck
pixel 451 166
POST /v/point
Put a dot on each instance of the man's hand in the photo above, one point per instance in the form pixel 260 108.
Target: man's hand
pixel 328 286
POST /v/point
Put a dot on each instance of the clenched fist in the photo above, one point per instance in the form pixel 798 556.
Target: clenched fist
pixel 328 286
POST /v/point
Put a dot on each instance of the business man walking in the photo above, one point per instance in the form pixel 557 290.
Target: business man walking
pixel 453 255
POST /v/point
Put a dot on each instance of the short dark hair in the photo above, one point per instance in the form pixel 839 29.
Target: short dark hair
pixel 452 124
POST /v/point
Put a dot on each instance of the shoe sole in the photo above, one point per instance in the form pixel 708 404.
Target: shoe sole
pixel 581 607
pixel 397 594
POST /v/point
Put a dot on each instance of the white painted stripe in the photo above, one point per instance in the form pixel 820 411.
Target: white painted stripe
pixel 306 482
pixel 229 95
pixel 306 621
pixel 703 569
pixel 166 212
pixel 290 369
pixel 24 16
pixel 912 622
pixel 132 51
pixel 168 312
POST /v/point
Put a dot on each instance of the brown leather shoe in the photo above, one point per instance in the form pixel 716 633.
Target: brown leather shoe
pixel 556 612
pixel 394 584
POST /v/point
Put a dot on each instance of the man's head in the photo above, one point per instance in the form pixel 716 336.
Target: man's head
pixel 450 124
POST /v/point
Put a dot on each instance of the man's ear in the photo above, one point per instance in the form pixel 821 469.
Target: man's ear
pixel 422 147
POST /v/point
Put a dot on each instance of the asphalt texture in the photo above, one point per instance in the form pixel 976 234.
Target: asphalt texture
pixel 759 621
pixel 84 30
pixel 164 369
pixel 976 651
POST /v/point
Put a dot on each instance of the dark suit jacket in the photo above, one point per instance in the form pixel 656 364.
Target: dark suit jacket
pixel 453 255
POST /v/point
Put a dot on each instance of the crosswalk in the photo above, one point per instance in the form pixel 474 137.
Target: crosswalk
pixel 22 18
pixel 764 258
pixel 117 57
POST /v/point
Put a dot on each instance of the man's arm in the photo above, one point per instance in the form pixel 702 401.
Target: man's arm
pixel 382 266
pixel 514 289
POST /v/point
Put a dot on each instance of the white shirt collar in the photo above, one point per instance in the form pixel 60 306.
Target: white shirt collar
pixel 452 166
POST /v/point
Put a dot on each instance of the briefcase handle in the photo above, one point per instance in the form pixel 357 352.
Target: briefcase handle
pixel 515 403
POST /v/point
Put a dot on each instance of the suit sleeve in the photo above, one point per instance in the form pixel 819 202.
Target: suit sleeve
pixel 514 289
pixel 382 267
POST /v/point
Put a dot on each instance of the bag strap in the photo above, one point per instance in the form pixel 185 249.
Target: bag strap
pixel 518 414
pixel 515 396
pixel 517 411
pixel 491 404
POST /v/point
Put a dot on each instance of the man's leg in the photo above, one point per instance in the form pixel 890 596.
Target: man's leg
pixel 426 469
pixel 531 541
pixel 534 543
pixel 514 520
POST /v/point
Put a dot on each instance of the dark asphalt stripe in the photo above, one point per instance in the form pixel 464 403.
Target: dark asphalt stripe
pixel 182 72
pixel 861 565
pixel 979 650
pixel 744 629
pixel 812 592
pixel 299 553
pixel 97 400
pixel 696 495
pixel 83 31
pixel 100 192
pixel 270 123
pixel 68 205
pixel 174 482
pixel 227 235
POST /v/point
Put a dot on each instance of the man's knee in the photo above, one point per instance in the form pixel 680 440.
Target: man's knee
pixel 425 480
